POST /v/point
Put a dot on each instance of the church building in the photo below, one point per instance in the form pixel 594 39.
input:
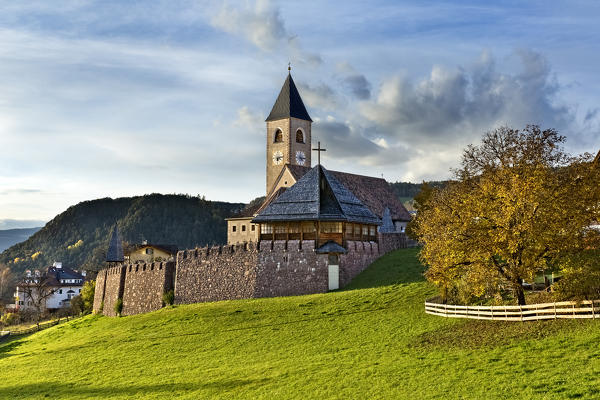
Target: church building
pixel 315 231
pixel 288 161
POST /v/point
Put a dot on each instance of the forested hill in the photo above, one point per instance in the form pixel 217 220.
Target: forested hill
pixel 408 190
pixel 79 236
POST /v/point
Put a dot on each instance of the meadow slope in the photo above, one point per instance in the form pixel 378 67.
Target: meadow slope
pixel 371 340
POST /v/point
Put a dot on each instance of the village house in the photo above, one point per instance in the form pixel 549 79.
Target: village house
pixel 61 283
pixel 149 253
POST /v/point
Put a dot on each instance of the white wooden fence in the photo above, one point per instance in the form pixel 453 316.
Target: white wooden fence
pixel 531 312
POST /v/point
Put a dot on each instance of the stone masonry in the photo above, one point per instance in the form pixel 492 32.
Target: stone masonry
pixel 268 269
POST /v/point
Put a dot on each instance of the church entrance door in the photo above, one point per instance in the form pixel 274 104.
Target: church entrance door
pixel 334 272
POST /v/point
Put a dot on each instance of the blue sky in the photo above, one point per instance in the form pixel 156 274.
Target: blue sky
pixel 121 98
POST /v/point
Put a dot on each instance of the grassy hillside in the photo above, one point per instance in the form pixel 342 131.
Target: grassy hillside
pixel 79 236
pixel 10 237
pixel 372 340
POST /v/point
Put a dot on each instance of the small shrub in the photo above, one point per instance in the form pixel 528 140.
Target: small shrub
pixel 10 319
pixel 119 307
pixel 168 298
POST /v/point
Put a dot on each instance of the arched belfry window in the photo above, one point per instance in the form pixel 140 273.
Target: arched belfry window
pixel 299 136
pixel 278 136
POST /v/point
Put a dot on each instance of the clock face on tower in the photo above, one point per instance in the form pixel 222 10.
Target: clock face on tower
pixel 300 158
pixel 277 157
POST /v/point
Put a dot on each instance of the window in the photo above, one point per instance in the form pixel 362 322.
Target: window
pixel 60 291
pixel 299 136
pixel 308 227
pixel 365 230
pixel 233 228
pixel 79 290
pixel 243 228
pixel 294 227
pixel 278 138
pixel 253 228
pixel 372 231
pixel 149 251
pixel 266 228
pixel 349 229
pixel 280 228
pixel 331 227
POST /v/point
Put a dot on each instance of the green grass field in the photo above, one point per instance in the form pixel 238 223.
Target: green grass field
pixel 371 340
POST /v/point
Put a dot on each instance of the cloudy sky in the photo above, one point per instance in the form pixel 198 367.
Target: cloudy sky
pixel 121 98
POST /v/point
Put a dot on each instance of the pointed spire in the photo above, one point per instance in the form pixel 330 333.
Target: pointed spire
pixel 289 103
pixel 387 223
pixel 115 248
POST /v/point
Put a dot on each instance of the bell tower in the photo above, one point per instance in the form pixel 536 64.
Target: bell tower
pixel 288 132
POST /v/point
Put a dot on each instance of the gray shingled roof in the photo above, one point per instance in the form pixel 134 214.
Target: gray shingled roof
pixel 387 225
pixel 375 193
pixel 331 247
pixel 318 195
pixel 115 248
pixel 288 103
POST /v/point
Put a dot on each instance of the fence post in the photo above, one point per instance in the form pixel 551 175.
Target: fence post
pixel 554 310
pixel 521 312
pixel 593 314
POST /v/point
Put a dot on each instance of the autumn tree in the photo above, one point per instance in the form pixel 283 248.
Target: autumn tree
pixel 7 283
pixel 519 204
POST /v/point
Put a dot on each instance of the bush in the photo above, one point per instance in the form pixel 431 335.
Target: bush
pixel 168 298
pixel 10 319
pixel 77 305
pixel 119 307
pixel 87 296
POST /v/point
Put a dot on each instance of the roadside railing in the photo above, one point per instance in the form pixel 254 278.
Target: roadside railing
pixel 532 312
pixel 43 325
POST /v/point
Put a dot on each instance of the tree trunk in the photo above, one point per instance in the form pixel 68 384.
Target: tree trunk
pixel 520 294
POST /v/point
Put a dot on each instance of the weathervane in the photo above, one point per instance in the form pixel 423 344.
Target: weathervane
pixel 319 150
pixel 289 67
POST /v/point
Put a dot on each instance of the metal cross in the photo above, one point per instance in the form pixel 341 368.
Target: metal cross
pixel 289 67
pixel 319 150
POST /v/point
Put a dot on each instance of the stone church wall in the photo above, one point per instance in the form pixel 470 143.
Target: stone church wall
pixel 391 241
pixel 288 270
pixel 359 256
pixel 145 285
pixel 115 279
pixel 216 273
pixel 99 291
pixel 250 270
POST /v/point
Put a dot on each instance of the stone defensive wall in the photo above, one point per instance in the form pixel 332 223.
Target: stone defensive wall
pixel 392 241
pixel 140 286
pixel 216 273
pixel 250 270
pixel 359 256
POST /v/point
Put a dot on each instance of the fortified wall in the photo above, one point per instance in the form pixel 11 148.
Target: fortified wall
pixel 140 286
pixel 250 270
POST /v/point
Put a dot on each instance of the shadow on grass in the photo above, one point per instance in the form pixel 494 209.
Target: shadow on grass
pixel 397 267
pixel 472 334
pixel 71 390
pixel 9 344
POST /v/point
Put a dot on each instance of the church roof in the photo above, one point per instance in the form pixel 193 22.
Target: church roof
pixel 115 248
pixel 288 103
pixel 318 195
pixel 375 193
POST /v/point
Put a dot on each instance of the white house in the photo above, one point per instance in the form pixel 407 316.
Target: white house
pixel 64 283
